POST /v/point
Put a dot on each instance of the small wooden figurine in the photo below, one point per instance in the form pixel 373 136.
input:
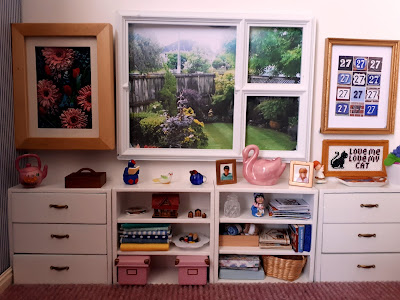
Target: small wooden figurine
pixel 204 215
pixel 190 214
pixel 197 213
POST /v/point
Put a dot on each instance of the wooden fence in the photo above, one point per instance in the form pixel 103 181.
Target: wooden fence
pixel 144 89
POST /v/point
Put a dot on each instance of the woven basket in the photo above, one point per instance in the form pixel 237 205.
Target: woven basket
pixel 287 267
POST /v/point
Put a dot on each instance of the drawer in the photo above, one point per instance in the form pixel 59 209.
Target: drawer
pixel 347 267
pixel 51 238
pixel 58 208
pixel 42 269
pixel 344 238
pixel 361 208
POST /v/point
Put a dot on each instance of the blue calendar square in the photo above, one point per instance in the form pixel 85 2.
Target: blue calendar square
pixel 357 94
pixel 374 79
pixel 342 108
pixel 371 110
pixel 344 79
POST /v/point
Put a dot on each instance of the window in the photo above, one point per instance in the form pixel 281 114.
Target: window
pixel 203 87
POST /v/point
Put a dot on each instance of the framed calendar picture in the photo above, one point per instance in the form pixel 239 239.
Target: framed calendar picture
pixel 360 86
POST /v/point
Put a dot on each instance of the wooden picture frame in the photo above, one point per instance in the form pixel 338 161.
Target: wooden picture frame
pixel 301 173
pixel 360 86
pixel 226 171
pixel 354 158
pixel 66 103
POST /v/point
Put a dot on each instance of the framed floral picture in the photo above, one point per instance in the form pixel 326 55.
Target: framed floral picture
pixel 360 86
pixel 63 86
pixel 301 173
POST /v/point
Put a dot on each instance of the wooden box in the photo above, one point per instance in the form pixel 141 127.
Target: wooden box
pixel 89 179
pixel 239 240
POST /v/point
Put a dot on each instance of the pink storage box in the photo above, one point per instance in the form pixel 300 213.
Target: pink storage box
pixel 133 269
pixel 192 269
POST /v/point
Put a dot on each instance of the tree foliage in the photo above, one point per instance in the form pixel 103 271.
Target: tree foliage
pixel 278 109
pixel 276 49
pixel 167 95
pixel 144 54
pixel 222 100
pixel 172 62
pixel 197 61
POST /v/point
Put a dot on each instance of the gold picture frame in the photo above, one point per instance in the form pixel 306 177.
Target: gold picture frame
pixel 301 173
pixel 229 177
pixel 354 158
pixel 97 39
pixel 360 86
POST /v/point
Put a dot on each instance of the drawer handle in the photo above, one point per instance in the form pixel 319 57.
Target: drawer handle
pixel 369 205
pixel 59 268
pixel 58 206
pixel 367 235
pixel 366 266
pixel 59 236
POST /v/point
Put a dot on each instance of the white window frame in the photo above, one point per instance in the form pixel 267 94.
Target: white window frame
pixel 243 22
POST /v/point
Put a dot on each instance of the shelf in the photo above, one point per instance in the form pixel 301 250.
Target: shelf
pixel 242 186
pixel 303 278
pixel 258 251
pixel 173 250
pixel 147 218
pixel 247 217
pixel 174 186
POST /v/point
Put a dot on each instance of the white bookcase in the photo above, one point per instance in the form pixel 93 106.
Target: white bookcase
pixel 245 191
pixel 192 197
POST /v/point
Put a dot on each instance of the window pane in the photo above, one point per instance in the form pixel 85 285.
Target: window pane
pixel 181 86
pixel 274 55
pixel 271 122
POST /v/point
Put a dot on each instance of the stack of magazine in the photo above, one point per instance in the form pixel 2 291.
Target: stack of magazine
pixel 274 239
pixel 289 209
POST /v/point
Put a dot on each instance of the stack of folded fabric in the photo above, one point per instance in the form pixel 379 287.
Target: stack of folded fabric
pixel 144 237
pixel 233 266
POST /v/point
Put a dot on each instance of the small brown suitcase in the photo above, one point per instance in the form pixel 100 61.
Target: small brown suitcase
pixel 81 179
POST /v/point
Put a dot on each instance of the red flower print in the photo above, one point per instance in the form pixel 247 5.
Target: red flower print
pixel 76 72
pixel 73 118
pixel 67 90
pixel 85 98
pixel 58 58
pixel 47 94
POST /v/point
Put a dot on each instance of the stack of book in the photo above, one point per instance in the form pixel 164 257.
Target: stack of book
pixel 300 237
pixel 144 237
pixel 289 209
pixel 274 239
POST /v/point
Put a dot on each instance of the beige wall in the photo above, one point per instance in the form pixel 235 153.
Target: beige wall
pixel 342 19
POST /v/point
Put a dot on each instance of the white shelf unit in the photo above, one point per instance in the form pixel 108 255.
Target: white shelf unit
pixel 192 197
pixel 245 191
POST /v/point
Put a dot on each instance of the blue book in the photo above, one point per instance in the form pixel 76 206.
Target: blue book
pixel 307 238
pixel 301 238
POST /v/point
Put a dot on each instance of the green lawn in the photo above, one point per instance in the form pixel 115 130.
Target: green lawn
pixel 220 136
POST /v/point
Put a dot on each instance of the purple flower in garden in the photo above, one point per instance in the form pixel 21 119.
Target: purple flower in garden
pixel 47 94
pixel 85 98
pixel 73 118
pixel 58 58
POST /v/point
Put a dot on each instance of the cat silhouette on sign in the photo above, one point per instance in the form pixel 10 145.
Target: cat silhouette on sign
pixel 338 162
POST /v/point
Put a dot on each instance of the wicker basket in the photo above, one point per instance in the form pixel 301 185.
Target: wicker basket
pixel 287 267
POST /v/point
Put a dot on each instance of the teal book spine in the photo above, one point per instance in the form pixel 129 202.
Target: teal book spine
pixel 301 238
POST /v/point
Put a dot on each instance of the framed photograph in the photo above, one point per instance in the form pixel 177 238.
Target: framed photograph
pixel 63 86
pixel 226 171
pixel 360 86
pixel 354 158
pixel 203 86
pixel 301 173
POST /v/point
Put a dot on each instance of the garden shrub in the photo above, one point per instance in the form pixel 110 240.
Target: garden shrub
pixel 167 93
pixel 222 104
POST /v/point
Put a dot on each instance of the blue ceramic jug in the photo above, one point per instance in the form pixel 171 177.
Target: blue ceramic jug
pixel 196 178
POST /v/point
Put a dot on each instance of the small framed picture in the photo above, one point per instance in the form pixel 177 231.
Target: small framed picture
pixel 301 173
pixel 226 171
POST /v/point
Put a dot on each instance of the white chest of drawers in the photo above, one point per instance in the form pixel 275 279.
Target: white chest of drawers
pixel 357 233
pixel 60 236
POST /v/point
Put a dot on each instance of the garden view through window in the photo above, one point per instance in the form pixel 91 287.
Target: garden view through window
pixel 275 55
pixel 272 122
pixel 181 86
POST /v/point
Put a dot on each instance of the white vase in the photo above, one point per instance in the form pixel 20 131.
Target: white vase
pixel 393 174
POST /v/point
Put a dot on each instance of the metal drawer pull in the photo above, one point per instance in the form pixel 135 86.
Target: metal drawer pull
pixel 58 206
pixel 58 236
pixel 366 266
pixel 369 205
pixel 59 268
pixel 367 235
